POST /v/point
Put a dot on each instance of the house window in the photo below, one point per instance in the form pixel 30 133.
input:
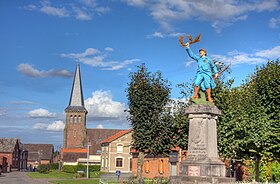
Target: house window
pixel 161 166
pixel 106 162
pixel 79 119
pixel 119 162
pixel 130 164
pixel 71 119
pixel 98 152
pixel 119 148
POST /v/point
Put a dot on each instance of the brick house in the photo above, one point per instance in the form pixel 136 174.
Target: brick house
pixel 12 155
pixel 39 154
pixel 116 153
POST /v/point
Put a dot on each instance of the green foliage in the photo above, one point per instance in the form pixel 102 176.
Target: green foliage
pixel 80 167
pixel 44 168
pixel 269 171
pixel 94 168
pixel 54 166
pixel 275 171
pixel 70 168
pixel 50 174
pixel 75 181
pixel 249 125
pixel 148 94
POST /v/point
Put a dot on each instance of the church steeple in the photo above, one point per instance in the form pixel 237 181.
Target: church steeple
pixel 76 101
pixel 75 127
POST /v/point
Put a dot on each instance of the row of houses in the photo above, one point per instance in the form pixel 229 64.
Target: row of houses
pixel 16 156
pixel 115 153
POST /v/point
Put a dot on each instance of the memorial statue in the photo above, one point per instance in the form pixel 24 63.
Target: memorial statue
pixel 203 79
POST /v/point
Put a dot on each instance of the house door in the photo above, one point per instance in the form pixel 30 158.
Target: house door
pixel 4 165
pixel 173 168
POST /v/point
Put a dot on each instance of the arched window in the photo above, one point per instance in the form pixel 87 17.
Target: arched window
pixel 75 119
pixel 79 119
pixel 71 119
pixel 161 166
pixel 147 166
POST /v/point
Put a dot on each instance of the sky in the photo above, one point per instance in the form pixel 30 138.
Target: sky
pixel 42 41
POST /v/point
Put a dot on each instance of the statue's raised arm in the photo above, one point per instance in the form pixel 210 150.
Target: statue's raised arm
pixel 204 77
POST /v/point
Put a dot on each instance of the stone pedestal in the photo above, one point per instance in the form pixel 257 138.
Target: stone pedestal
pixel 203 163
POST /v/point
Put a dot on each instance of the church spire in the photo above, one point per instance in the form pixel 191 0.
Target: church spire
pixel 76 101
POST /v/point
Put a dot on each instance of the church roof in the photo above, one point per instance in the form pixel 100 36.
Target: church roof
pixel 96 136
pixel 76 102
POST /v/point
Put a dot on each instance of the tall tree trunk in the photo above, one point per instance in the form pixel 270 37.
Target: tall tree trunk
pixel 257 168
pixel 140 163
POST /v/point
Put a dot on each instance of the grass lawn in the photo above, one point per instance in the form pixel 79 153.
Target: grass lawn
pixel 51 174
pixel 76 181
pixel 60 174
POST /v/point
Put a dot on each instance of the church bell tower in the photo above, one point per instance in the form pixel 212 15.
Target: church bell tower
pixel 75 128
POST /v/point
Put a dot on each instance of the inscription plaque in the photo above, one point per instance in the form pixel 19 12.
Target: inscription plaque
pixel 194 171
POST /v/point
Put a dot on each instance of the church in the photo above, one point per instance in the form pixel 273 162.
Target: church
pixel 78 140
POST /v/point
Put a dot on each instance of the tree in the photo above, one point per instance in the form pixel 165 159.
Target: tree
pixel 249 126
pixel 148 96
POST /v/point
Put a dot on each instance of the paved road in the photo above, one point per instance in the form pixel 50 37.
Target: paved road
pixel 20 178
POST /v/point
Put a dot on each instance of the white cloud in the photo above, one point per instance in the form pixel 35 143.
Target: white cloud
pixel 101 106
pixel 258 57
pixel 41 113
pixel 80 10
pixel 164 35
pixel 109 49
pixel 96 58
pixel 55 126
pixel 189 63
pixel 81 14
pixel 273 53
pixel 165 12
pixel 59 12
pixel 274 22
pixel 30 71
pixel 100 126
pixel 23 102
pixel 3 112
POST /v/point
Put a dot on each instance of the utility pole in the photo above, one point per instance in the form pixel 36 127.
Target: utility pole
pixel 88 145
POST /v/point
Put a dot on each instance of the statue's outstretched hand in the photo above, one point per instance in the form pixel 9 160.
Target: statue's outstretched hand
pixel 187 45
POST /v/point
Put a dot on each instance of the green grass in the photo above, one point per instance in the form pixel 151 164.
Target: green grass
pixel 76 181
pixel 60 174
pixel 51 174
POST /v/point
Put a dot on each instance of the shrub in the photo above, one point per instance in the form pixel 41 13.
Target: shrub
pixel 54 166
pixel 80 167
pixel 70 168
pixel 44 168
pixel 94 168
pixel 275 171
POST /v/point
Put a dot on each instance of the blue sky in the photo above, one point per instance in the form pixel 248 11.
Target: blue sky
pixel 42 41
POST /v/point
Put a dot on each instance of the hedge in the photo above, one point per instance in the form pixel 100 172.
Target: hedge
pixel 80 167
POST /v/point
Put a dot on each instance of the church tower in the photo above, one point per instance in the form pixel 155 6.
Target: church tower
pixel 75 128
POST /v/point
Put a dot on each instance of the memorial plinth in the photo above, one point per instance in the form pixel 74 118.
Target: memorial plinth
pixel 202 164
